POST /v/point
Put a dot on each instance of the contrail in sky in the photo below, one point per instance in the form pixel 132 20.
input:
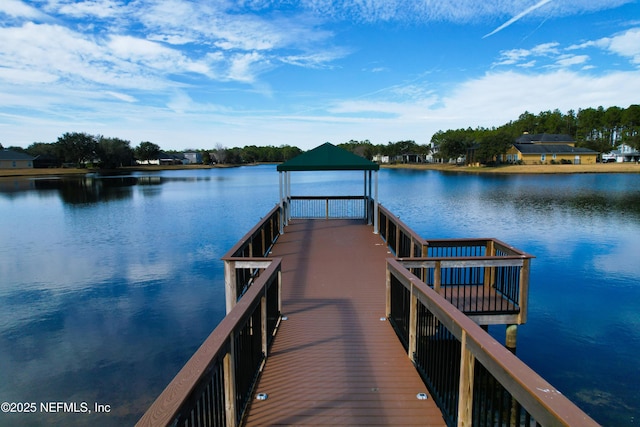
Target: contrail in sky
pixel 517 17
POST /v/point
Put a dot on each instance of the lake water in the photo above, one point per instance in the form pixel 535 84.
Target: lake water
pixel 108 285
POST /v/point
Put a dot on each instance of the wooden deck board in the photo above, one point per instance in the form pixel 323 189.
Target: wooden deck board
pixel 334 362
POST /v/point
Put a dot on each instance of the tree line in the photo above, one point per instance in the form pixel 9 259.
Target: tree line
pixel 598 129
pixel 81 149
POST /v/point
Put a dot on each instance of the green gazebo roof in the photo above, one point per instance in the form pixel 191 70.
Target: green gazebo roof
pixel 327 157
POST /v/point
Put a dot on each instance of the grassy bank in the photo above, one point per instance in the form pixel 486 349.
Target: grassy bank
pixel 528 169
pixel 79 171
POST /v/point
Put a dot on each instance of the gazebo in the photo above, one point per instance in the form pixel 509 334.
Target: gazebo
pixel 328 157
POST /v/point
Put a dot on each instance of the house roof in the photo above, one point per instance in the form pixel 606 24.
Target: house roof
pixel 6 154
pixel 528 148
pixel 327 157
pixel 544 137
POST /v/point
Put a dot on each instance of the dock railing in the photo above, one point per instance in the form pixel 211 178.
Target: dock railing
pixel 486 279
pixel 473 378
pixel 328 207
pixel 215 386
pixel 240 268
pixel 400 238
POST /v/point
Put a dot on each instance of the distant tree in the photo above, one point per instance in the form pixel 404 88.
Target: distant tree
pixel 233 156
pixel 43 149
pixel 18 149
pixel 492 144
pixel 590 123
pixel 206 157
pixel 571 123
pixel 114 152
pixel 612 125
pixel 453 144
pixel 527 122
pixel 146 151
pixel 289 152
pixel 599 144
pixel 220 153
pixel 77 147
pixel 631 126
pixel 250 154
pixel 362 148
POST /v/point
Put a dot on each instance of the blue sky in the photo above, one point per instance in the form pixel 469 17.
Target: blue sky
pixel 207 73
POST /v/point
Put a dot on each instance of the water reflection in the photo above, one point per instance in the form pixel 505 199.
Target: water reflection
pixel 109 284
pixel 92 188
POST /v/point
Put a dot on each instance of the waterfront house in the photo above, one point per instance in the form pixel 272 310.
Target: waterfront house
pixel 624 153
pixel 546 138
pixel 192 158
pixel 382 158
pixel 540 149
pixel 162 159
pixel 10 159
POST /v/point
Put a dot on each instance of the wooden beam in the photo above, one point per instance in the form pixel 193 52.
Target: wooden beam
pixel 413 323
pixel 230 384
pixel 465 386
pixel 230 292
pixel 524 291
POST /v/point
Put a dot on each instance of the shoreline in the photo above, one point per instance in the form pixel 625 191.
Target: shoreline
pixel 35 172
pixel 524 169
pixel 443 167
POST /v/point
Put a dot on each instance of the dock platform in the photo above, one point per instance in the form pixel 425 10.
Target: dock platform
pixel 338 313
pixel 336 360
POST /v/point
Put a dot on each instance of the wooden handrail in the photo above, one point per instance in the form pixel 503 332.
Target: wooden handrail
pixel 169 404
pixel 248 236
pixel 405 229
pixel 546 404
pixel 327 197
pixel 498 245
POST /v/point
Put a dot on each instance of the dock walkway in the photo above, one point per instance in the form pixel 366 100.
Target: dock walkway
pixel 335 360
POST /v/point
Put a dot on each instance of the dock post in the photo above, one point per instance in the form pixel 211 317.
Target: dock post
pixel 282 201
pixel 263 324
pixel 230 384
pixel 511 339
pixel 387 311
pixel 375 205
pixel 465 385
pixel 230 291
pixel 413 324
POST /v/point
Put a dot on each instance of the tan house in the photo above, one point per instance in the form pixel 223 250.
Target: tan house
pixel 541 149
pixel 10 159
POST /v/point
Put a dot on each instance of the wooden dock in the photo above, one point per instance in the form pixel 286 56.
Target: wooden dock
pixel 338 313
pixel 336 360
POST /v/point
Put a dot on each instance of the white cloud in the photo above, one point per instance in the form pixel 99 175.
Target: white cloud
pixel 627 44
pixel 551 48
pixel 17 76
pixel 569 60
pixel 18 9
pixel 497 98
pixel 513 56
pixel 97 8
pixel 243 66
pixel 122 96
pixel 71 58
pixel 152 55
pixel 322 59
pixel 459 11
